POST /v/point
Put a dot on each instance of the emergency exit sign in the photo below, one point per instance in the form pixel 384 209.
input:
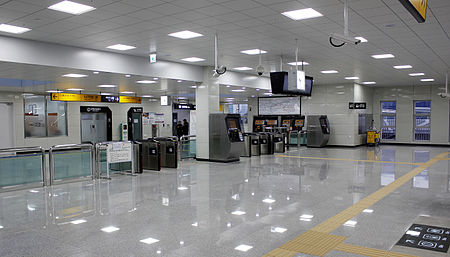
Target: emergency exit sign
pixel 418 9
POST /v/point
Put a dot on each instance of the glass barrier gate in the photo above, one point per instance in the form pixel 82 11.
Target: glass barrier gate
pixel 188 147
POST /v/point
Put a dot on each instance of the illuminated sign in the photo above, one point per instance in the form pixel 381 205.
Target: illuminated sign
pixel 164 100
pixel 130 100
pixel 418 8
pixel 152 57
pixel 184 106
pixel 65 97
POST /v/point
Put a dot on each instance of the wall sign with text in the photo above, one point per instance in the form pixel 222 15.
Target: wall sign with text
pixel 357 106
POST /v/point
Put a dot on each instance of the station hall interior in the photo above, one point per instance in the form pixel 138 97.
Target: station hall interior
pixel 201 128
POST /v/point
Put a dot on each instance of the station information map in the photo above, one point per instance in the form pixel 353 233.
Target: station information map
pixel 279 105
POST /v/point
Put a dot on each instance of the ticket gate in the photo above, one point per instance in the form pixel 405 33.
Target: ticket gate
pixel 266 143
pixel 279 142
pixel 151 155
pixel 255 145
pixel 169 151
pixel 247 151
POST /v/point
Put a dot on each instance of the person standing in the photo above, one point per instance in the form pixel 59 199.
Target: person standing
pixel 179 129
pixel 185 127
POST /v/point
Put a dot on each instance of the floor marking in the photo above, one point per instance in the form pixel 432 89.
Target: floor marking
pixel 350 160
pixel 348 248
pixel 318 241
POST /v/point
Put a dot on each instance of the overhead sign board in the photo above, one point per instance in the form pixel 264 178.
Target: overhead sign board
pixel 418 8
pixel 358 106
pixel 184 107
pixel 66 97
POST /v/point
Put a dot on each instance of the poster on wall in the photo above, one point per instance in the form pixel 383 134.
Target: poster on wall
pixel 279 105
pixel 193 123
pixel 159 118
pixel 145 118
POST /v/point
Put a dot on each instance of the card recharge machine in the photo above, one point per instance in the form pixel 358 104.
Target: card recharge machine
pixel 226 140
pixel 123 132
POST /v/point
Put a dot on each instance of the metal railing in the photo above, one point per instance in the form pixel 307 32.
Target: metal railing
pixel 61 178
pixel 28 181
pixel 188 146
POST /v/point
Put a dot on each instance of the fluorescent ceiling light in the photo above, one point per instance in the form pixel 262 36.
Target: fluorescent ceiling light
pixel 417 74
pixel 96 72
pixel 243 248
pixel 155 78
pixel 351 78
pixel 33 191
pixel 369 83
pixel 350 223
pixel 238 213
pixel 127 92
pixel 147 96
pixel 13 29
pixel 110 229
pixel 128 75
pixel 146 82
pixel 121 47
pixel 185 34
pixel 71 7
pixel 278 230
pixel 182 188
pixel 76 222
pixel 193 86
pixel 382 56
pixel 193 59
pixel 329 71
pixel 306 216
pixel 179 81
pixel 363 40
pixel 427 80
pixel 268 200
pixel 107 86
pixel 302 14
pixel 253 51
pixel 53 91
pixel 149 241
pixel 267 93
pixel 238 90
pixel 74 75
pixel 1 227
pixel 298 63
pixel 195 224
pixel 242 68
pixel 105 93
pixel 401 67
pixel 75 89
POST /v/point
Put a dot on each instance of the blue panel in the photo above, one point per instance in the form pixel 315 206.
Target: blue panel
pixel 22 83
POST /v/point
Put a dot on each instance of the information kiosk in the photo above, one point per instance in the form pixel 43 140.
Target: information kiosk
pixel 226 140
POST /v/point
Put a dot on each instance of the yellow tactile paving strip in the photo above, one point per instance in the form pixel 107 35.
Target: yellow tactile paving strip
pixel 348 160
pixel 319 242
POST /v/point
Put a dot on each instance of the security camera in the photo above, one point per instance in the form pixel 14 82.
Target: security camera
pixel 443 95
pixel 260 70
pixel 219 71
pixel 343 39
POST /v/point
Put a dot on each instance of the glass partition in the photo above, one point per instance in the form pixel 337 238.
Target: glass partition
pixel 20 169
pixel 188 147
pixel 72 164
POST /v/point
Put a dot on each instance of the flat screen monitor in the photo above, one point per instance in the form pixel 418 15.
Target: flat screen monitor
pixel 280 84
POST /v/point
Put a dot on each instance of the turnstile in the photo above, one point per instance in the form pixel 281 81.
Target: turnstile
pixel 169 152
pixel 266 143
pixel 255 145
pixel 247 151
pixel 279 142
pixel 151 155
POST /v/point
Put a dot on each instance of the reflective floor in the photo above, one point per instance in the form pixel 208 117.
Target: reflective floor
pixel 239 209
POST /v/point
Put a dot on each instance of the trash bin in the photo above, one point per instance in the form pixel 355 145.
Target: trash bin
pixel 247 151
pixel 169 152
pixel 255 148
pixel 151 155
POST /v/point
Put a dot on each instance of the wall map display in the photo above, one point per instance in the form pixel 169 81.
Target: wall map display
pixel 279 105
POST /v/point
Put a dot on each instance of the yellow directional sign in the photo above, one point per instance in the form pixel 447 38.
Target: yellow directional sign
pixel 94 98
pixel 418 8
pixel 130 100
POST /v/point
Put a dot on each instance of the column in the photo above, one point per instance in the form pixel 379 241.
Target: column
pixel 207 101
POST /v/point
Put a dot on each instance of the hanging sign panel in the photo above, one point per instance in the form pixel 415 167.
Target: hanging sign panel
pixel 94 98
pixel 418 8
pixel 130 100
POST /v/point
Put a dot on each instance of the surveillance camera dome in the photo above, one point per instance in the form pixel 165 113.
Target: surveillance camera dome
pixel 260 70
pixel 219 71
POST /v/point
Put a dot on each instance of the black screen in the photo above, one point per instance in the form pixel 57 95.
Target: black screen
pixel 279 83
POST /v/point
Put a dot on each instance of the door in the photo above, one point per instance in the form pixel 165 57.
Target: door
pixel 6 125
pixel 93 127
pixel 137 126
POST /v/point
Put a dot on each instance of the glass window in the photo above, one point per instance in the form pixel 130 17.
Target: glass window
pixel 388 120
pixel 43 117
pixel 422 119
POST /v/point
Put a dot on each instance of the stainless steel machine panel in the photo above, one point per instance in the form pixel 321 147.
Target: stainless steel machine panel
pixel 169 152
pixel 226 141
pixel 279 143
pixel 247 151
pixel 151 155
pixel 318 130
pixel 255 148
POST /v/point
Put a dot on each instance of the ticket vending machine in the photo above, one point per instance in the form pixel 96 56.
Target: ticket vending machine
pixel 286 122
pixel 298 123
pixel 271 124
pixel 226 140
pixel 258 124
pixel 318 130
pixel 135 123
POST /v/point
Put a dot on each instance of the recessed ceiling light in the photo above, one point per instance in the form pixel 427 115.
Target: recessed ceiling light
pixel 368 210
pixel 107 86
pixel 110 229
pixel 363 40
pixel 179 81
pixel 417 74
pixel 127 92
pixel 228 86
pixel 121 47
pixel 181 188
pixel 96 72
pixel 298 63
pixel 329 71
pixel 147 96
pixel 369 83
pixel 230 98
pixel 193 59
pixel 238 213
pixel 71 7
pixel 146 82
pixel 243 248
pixel 253 96
pixel 351 78
pixel 75 89
pixel 155 78
pixel 185 34
pixel 302 14
pixel 427 80
pixel 76 222
pixel 105 93
pixel 53 91
pixel 13 29
pixel 128 75
pixel 74 75
pixel 268 94
pixel 401 67
pixel 350 223
pixel 383 56
pixel 193 86
pixel 238 90
pixel 1 227
pixel 253 51
pixel 242 68
pixel 27 94
pixel 149 241
pixel 268 200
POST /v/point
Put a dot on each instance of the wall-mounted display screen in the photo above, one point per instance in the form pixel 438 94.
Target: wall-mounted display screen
pixel 280 83
pixel 279 105
pixel 272 122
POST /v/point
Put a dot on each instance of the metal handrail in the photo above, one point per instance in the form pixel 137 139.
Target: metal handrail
pixel 30 149
pixel 68 147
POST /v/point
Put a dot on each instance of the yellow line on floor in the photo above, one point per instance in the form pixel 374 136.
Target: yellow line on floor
pixel 319 242
pixel 349 160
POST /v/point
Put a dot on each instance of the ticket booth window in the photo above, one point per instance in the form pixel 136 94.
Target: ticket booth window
pixel 388 120
pixel 422 120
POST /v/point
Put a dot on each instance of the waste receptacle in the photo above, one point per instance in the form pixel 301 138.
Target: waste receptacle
pixel 247 151
pixel 255 148
pixel 169 152
pixel 151 155
pixel 279 143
